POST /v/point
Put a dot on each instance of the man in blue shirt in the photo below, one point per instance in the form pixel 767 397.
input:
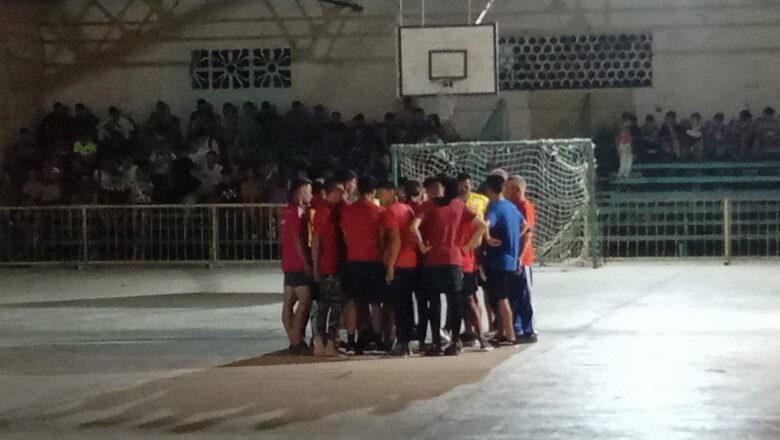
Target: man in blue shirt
pixel 502 255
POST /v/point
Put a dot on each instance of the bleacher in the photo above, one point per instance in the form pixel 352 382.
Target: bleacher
pixel 699 176
pixel 676 209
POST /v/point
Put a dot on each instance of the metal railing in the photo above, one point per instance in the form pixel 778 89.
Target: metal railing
pixel 690 228
pixel 207 234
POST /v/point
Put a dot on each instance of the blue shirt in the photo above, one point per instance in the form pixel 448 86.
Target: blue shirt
pixel 505 221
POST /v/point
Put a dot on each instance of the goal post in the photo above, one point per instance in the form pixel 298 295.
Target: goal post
pixel 561 184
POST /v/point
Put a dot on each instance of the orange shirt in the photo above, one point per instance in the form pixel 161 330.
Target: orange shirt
pixel 529 213
pixel 361 223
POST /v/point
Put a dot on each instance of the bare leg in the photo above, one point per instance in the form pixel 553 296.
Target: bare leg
pixel 287 312
pixel 505 325
pixel 474 316
pixel 301 314
pixel 350 317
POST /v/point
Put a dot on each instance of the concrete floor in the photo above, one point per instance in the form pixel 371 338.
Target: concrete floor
pixel 630 351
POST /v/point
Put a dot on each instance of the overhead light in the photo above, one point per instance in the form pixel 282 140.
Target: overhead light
pixel 344 4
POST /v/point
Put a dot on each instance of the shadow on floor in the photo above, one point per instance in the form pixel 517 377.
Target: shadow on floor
pixel 166 301
pixel 277 389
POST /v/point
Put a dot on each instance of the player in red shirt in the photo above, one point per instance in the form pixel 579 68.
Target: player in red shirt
pixel 404 259
pixel 413 194
pixel 318 200
pixel 524 313
pixel 365 274
pixel 296 267
pixel 436 229
pixel 326 259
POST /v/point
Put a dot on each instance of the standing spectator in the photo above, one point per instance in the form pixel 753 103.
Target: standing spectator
pixel 625 149
pixel 671 133
pixel 766 132
pixel 650 138
pixel 714 142
pixel 21 154
pixel 268 122
pixel 202 120
pixel 691 143
pixel 165 125
pixel 56 126
pixel 228 138
pixel 738 133
pixel 84 121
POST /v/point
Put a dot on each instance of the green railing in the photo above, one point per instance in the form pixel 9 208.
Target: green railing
pixel 724 228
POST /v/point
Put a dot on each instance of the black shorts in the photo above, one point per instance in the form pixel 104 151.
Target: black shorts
pixel 441 279
pixel 365 282
pixel 500 283
pixel 297 279
pixel 470 283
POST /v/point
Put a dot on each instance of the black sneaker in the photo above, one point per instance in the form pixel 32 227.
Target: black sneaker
pixel 452 349
pixel 350 348
pixel 526 338
pixel 400 350
pixel 434 350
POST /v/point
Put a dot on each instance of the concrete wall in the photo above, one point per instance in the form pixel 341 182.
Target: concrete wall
pixel 710 55
pixel 21 67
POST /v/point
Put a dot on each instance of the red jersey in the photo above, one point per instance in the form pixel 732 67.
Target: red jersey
pixel 361 223
pixel 529 214
pixel 308 219
pixel 292 230
pixel 440 229
pixel 469 263
pixel 400 215
pixel 326 227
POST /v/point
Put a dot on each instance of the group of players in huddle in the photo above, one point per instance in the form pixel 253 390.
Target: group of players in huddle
pixel 361 255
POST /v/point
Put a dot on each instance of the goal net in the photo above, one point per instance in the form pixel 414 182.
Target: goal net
pixel 560 176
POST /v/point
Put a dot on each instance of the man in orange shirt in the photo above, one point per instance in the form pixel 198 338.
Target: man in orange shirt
pixel 524 313
pixel 399 217
pixel 366 275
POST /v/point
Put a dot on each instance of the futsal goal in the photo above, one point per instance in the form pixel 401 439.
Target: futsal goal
pixel 561 184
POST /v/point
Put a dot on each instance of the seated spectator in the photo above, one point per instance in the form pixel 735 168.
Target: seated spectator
pixel 21 154
pixel 142 189
pixel 51 190
pixel 184 185
pixel 32 189
pixel 114 189
pixel 128 170
pixel 84 121
pixel 336 135
pixel 210 176
pixel 277 185
pixel 117 127
pixel 714 141
pixel 252 186
pixel 9 191
pixel 738 133
pixel 766 132
pixel 201 146
pixel 671 135
pixel 650 138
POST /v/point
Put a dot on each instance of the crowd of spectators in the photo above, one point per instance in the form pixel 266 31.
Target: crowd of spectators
pixel 694 139
pixel 248 154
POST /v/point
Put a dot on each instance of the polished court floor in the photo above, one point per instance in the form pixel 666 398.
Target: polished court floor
pixel 674 350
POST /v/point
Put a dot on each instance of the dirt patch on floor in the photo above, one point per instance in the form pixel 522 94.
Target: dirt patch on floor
pixel 276 389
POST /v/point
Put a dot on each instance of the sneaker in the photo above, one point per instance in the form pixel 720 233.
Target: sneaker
pixel 526 338
pixel 350 348
pixel 319 347
pixel 452 349
pixel 506 343
pixel 434 350
pixel 400 350
pixel 483 344
pixel 470 343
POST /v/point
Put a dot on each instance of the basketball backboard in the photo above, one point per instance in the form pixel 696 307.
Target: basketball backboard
pixel 447 60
